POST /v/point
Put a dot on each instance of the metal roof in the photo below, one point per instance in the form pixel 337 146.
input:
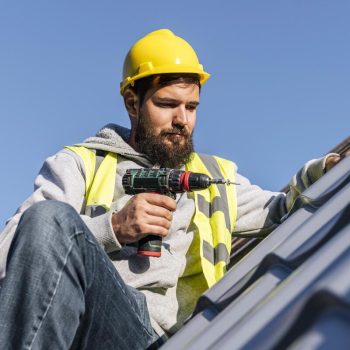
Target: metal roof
pixel 292 290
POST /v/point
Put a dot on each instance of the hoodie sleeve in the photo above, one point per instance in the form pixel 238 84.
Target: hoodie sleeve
pixel 62 178
pixel 260 211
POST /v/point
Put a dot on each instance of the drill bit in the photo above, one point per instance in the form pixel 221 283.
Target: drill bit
pixel 223 182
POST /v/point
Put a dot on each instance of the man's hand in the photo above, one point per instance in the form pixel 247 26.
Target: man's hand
pixel 332 160
pixel 144 214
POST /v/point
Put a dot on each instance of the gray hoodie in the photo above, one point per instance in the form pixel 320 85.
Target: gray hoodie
pixel 170 295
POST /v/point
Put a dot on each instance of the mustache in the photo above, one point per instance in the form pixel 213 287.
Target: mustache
pixel 175 131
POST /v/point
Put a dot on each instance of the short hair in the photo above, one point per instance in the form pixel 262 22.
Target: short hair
pixel 142 85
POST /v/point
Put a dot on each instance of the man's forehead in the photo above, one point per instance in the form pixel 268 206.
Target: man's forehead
pixel 177 91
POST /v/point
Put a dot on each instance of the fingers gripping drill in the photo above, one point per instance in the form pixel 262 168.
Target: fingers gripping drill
pixel 167 182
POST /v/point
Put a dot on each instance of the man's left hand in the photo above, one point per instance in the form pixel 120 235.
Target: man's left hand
pixel 332 160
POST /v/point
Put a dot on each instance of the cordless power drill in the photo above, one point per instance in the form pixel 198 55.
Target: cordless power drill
pixel 167 182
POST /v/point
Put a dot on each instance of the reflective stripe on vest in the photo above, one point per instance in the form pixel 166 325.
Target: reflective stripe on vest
pixel 215 207
pixel 215 215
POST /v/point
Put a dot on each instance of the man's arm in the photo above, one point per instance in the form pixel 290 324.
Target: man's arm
pixel 260 211
pixel 62 178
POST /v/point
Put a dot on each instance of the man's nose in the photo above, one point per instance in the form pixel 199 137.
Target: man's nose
pixel 180 116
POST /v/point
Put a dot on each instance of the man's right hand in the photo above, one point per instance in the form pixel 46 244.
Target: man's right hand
pixel 143 214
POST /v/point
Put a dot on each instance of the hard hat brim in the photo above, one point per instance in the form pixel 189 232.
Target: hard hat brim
pixel 204 76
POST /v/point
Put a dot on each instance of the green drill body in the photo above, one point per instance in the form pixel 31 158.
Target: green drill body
pixel 167 182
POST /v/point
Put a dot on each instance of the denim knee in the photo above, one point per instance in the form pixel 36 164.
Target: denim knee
pixel 48 221
pixel 48 208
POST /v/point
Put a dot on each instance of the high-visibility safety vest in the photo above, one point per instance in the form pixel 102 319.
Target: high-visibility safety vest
pixel 215 207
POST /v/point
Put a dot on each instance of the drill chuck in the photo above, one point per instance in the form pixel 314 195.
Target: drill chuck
pixel 194 181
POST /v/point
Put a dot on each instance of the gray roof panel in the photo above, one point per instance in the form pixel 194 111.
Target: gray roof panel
pixel 296 266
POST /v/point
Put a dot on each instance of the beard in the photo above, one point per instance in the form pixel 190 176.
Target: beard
pixel 171 148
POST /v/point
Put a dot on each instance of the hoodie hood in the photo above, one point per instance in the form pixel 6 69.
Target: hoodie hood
pixel 114 138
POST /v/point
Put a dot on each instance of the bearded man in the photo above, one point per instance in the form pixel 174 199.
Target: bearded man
pixel 70 273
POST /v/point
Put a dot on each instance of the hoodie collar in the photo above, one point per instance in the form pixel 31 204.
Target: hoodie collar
pixel 114 138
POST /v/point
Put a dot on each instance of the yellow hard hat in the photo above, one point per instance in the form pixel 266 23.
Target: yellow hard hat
pixel 160 52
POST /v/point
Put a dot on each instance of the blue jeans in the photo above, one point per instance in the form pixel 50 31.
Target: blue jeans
pixel 61 291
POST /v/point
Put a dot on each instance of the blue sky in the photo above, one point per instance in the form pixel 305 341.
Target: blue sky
pixel 278 95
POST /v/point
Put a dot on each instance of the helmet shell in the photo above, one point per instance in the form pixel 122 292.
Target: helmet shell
pixel 160 52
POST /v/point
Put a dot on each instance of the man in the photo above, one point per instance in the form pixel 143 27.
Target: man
pixel 60 289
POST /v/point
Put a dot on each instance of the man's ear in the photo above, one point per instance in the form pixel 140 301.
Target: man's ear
pixel 131 102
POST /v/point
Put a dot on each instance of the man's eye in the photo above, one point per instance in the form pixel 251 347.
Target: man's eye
pixel 165 105
pixel 191 108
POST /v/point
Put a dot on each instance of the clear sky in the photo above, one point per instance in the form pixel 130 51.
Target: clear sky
pixel 278 95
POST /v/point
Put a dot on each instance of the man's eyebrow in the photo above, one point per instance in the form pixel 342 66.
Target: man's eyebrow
pixel 193 103
pixel 173 100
